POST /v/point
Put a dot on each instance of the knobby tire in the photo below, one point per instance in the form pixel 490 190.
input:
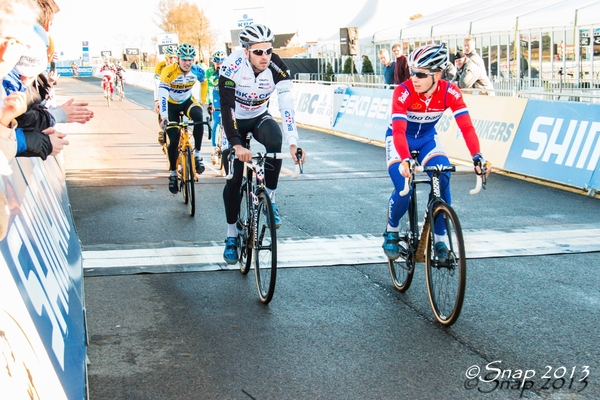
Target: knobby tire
pixel 265 248
pixel 446 280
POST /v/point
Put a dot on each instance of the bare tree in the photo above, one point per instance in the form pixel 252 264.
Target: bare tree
pixel 188 21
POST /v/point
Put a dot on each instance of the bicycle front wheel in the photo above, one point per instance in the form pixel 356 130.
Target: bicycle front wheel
pixel 265 248
pixel 403 268
pixel 188 178
pixel 243 228
pixel 446 276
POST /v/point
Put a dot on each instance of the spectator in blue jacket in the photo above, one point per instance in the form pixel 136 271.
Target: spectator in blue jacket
pixel 389 66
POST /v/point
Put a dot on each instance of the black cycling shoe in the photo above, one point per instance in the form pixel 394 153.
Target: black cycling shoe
pixel 199 165
pixel 173 184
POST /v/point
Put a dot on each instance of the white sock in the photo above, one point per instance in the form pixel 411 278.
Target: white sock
pixel 196 153
pixel 231 230
pixel 271 193
pixel 392 229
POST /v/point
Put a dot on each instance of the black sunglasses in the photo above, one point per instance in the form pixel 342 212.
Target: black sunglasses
pixel 260 52
pixel 421 75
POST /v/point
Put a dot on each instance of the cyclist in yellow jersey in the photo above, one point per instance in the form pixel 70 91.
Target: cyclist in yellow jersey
pixel 175 96
pixel 170 58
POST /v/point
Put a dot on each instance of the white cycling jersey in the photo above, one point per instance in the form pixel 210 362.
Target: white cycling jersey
pixel 245 95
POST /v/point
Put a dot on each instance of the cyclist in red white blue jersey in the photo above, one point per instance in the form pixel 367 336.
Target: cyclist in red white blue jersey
pixel 417 105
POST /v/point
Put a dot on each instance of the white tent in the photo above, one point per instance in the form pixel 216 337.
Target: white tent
pixel 486 16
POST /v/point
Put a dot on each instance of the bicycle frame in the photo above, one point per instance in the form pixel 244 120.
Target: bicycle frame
pixel 253 232
pixel 435 197
pixel 443 251
pixel 254 172
pixel 185 161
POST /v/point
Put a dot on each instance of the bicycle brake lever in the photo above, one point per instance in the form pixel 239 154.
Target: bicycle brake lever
pixel 300 166
pixel 230 159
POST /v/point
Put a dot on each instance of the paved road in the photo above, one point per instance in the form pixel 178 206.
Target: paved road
pixel 196 330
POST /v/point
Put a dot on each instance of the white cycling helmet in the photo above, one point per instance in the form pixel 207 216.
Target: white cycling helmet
pixel 255 33
pixel 430 56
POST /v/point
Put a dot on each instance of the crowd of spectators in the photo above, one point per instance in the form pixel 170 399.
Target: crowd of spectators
pixel 28 121
pixel 467 72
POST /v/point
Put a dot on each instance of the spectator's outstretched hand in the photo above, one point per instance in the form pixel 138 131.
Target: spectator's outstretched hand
pixel 77 112
pixel 57 139
pixel 53 77
pixel 15 104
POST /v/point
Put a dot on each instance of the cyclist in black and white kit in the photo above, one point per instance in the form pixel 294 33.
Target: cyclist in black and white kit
pixel 247 79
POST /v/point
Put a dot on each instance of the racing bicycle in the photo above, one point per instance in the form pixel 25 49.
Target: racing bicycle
pixel 446 277
pixel 257 238
pixel 186 167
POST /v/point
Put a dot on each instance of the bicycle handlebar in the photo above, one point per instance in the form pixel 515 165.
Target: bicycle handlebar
pixel 479 183
pixel 184 123
pixel 262 156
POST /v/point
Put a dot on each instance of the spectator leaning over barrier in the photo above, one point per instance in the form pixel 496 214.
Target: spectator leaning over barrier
pixel 388 66
pixel 17 18
pixel 49 9
pixel 470 76
pixel 401 70
pixel 471 52
pixel 41 139
pixel 70 111
pixel 449 73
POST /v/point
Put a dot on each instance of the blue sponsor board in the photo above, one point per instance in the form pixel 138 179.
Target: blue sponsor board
pixel 365 112
pixel 43 255
pixel 68 71
pixel 558 141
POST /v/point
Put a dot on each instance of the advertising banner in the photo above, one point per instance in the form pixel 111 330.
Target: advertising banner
pixel 365 112
pixel 42 330
pixel 68 71
pixel 558 141
pixel 495 119
pixel 313 104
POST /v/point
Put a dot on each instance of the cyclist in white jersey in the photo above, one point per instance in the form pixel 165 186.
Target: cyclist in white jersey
pixel 247 79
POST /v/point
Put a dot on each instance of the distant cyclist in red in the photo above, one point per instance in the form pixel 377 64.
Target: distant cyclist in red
pixel 417 105
pixel 108 72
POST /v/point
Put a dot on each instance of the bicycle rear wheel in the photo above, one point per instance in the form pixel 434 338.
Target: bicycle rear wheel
pixel 244 228
pixel 188 177
pixel 446 279
pixel 403 268
pixel 265 248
